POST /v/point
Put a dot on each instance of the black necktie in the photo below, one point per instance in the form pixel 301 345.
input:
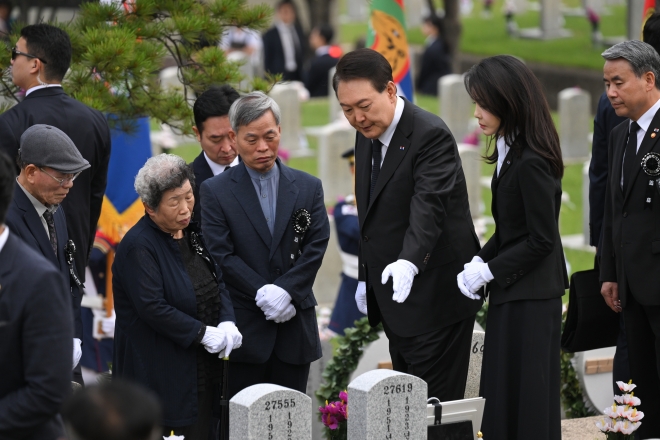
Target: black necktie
pixel 630 158
pixel 48 216
pixel 377 156
pixel 226 168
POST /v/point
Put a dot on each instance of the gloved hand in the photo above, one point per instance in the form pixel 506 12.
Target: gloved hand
pixel 361 297
pixel 108 325
pixel 77 351
pixel 287 314
pixel 476 274
pixel 214 339
pixel 460 280
pixel 234 337
pixel 273 301
pixel 402 273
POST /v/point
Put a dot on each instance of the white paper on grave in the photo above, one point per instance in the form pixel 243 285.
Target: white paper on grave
pixel 458 411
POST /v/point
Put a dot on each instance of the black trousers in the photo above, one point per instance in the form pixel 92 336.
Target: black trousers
pixel 243 375
pixel 643 331
pixel 441 358
pixel 200 429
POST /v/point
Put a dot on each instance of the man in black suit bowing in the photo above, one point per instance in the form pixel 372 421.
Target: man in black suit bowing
pixel 630 255
pixel 267 227
pixel 35 333
pixel 415 225
pixel 212 128
pixel 40 60
pixel 49 163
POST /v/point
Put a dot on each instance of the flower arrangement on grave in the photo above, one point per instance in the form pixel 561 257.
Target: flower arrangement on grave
pixel 622 419
pixel 335 415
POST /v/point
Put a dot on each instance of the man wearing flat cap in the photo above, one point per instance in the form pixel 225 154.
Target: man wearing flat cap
pixel 49 163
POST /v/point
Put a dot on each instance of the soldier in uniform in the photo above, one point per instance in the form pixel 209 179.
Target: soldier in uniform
pixel 345 312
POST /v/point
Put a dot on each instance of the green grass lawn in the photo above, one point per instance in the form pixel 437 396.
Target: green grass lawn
pixel 487 36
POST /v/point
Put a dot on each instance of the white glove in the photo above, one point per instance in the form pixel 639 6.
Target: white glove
pixel 234 337
pixel 476 274
pixel 77 351
pixel 273 301
pixel 460 279
pixel 287 314
pixel 361 297
pixel 402 273
pixel 214 339
pixel 108 325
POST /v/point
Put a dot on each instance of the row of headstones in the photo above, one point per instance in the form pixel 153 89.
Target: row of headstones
pixel 382 404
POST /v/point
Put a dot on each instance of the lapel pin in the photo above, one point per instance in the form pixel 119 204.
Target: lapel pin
pixel 652 135
pixel 402 148
pixel 508 162
pixel 656 129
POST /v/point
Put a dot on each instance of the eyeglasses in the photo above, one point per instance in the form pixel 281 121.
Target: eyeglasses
pixel 61 181
pixel 15 52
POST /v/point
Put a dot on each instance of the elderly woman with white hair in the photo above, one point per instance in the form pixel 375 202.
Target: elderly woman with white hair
pixel 175 319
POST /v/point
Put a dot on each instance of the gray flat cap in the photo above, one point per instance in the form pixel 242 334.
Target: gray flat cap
pixel 48 146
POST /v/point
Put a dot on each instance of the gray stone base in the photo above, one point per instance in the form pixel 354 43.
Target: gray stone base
pixel 581 429
pixel 539 34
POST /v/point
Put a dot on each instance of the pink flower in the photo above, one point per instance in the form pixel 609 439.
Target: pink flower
pixel 615 410
pixel 626 386
pixel 343 396
pixel 631 400
pixel 628 427
pixel 616 427
pixel 633 415
pixel 604 424
pixel 333 413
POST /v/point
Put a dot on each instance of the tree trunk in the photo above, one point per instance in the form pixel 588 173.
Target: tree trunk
pixel 452 28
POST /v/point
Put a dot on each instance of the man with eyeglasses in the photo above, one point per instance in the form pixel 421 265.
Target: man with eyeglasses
pixel 49 163
pixel 40 59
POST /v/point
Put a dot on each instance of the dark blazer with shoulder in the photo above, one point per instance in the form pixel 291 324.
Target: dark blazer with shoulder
pixel 435 64
pixel 89 131
pixel 420 213
pixel 157 321
pixel 525 254
pixel 35 344
pixel 274 54
pixel 316 77
pixel 238 237
pixel 631 233
pixel 604 121
pixel 24 222
pixel 202 172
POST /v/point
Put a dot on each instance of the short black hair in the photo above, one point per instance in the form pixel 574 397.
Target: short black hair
pixel 651 32
pixel 285 3
pixel 113 410
pixel 7 179
pixel 215 101
pixel 326 32
pixel 363 64
pixel 52 45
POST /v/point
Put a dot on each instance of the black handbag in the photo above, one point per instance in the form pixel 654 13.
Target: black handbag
pixel 590 323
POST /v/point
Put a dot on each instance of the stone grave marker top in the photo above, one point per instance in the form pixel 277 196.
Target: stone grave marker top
pixel 386 404
pixel 474 368
pixel 270 412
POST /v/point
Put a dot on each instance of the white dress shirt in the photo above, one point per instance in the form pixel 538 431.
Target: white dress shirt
pixel 502 151
pixel 3 237
pixel 216 168
pixel 289 40
pixel 386 137
pixel 35 88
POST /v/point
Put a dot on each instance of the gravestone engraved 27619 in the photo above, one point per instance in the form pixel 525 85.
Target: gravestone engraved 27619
pixel 388 405
pixel 270 412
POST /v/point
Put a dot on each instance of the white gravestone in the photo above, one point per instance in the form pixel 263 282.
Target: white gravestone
pixel 169 79
pixel 335 109
pixel 551 23
pixel 474 368
pixel 286 96
pixel 471 162
pixel 575 123
pixel 270 412
pixel 326 283
pixel 456 107
pixel 314 381
pixel 333 170
pixel 386 404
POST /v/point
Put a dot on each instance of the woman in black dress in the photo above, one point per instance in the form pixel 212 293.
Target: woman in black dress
pixel 522 265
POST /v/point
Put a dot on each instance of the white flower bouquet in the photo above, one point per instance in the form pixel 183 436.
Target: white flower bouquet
pixel 622 419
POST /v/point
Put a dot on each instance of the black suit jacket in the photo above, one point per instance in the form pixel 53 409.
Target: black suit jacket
pixel 435 64
pixel 274 54
pixel 420 213
pixel 525 254
pixel 25 223
pixel 316 77
pixel 202 172
pixel 631 234
pixel 604 121
pixel 35 344
pixel 89 131
pixel 236 231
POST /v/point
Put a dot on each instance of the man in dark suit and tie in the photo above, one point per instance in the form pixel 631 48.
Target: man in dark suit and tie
pixel 212 131
pixel 40 59
pixel 630 255
pixel 415 226
pixel 284 44
pixel 326 57
pixel 267 227
pixel 35 333
pixel 49 162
